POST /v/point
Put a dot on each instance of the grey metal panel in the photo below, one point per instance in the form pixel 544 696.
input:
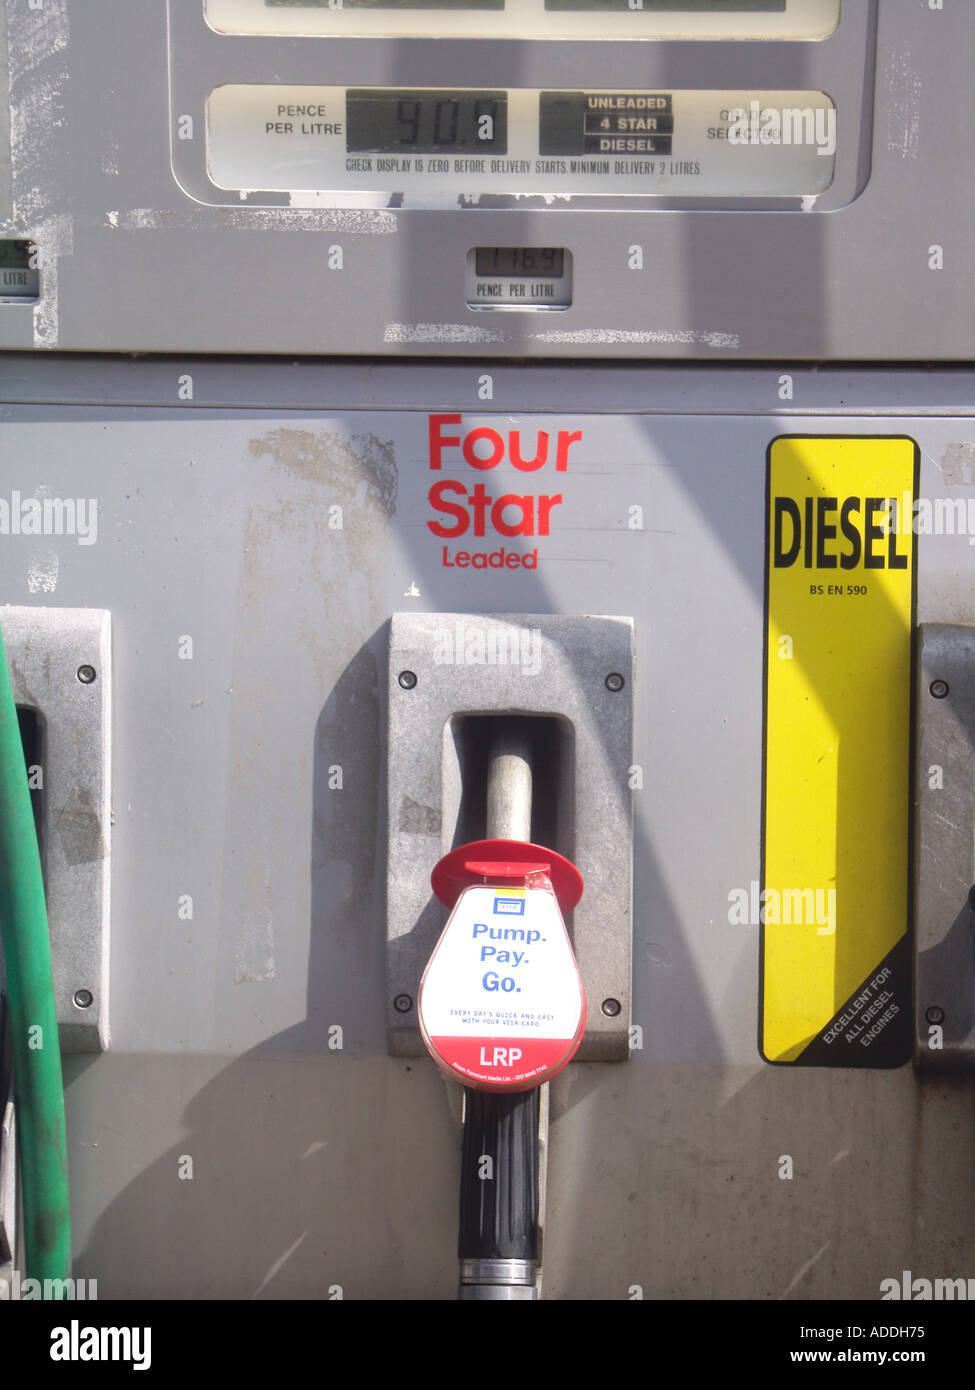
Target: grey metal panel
pixel 134 264
pixel 664 1172
pixel 783 390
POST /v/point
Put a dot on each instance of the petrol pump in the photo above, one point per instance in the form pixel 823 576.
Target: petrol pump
pixel 486 576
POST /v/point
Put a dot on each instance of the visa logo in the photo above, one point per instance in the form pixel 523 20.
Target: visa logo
pixel 511 907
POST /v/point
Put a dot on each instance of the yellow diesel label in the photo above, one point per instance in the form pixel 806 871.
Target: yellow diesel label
pixel 833 906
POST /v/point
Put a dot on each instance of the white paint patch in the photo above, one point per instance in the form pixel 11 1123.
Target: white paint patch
pixel 958 464
pixel 37 34
pixel 54 239
pixel 314 1147
pixel 254 942
pixel 38 77
pixel 439 333
pixel 142 219
pixel 42 576
pixel 809 202
pixel 112 218
pixel 903 85
pixel 471 200
pixel 650 335
pixel 721 340
pixel 339 202
pixel 282 219
pixel 254 957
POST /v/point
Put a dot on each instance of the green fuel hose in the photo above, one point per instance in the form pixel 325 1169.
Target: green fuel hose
pixel 38 1087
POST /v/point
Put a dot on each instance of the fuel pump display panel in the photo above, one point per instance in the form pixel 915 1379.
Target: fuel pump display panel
pixel 585 19
pixel 425 147
pixel 399 158
pixel 235 181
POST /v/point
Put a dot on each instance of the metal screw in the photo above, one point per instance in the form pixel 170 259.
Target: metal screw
pixel 83 998
pixel 614 681
pixel 402 1003
pixel 935 1015
pixel 939 689
pixel 86 674
pixel 407 679
pixel 612 1008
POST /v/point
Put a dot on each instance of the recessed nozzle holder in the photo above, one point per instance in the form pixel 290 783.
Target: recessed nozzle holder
pixel 61 671
pixel 944 848
pixel 447 672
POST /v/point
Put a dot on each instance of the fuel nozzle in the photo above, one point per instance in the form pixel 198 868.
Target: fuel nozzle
pixel 502 1009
